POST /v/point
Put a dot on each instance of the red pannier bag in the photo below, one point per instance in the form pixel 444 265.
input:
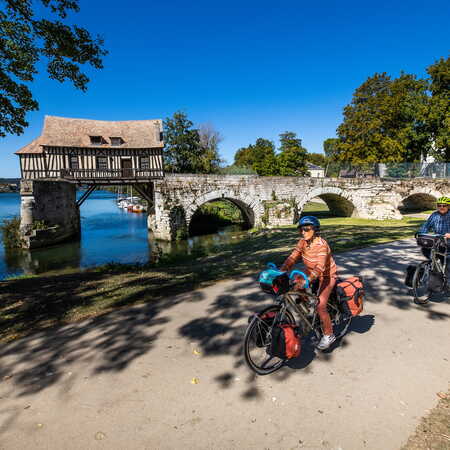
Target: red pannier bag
pixel 350 293
pixel 286 343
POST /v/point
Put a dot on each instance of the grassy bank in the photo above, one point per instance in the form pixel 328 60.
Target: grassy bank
pixel 30 303
pixel 433 431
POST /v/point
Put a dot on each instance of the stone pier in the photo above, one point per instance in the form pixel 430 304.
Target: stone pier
pixel 48 213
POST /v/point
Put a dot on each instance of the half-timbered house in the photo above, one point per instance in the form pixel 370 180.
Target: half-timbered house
pixel 95 151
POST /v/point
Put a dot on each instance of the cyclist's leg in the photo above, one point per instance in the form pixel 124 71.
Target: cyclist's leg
pixel 325 289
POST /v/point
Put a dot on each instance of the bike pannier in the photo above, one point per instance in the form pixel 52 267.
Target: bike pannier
pixel 436 282
pixel 274 282
pixel 350 293
pixel 410 271
pixel 286 343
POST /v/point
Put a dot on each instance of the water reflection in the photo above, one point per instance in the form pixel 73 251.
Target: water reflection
pixel 108 234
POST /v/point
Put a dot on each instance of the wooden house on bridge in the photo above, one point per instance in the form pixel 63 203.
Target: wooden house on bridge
pixel 95 151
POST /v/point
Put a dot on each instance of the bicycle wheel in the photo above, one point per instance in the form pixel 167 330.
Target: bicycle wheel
pixel 420 281
pixel 258 337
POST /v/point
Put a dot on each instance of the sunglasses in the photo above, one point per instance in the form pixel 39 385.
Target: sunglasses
pixel 442 205
pixel 306 228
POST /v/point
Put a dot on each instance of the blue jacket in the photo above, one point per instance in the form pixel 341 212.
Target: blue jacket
pixel 437 223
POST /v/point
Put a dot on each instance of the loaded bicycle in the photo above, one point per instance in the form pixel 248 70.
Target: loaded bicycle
pixel 262 349
pixel 429 276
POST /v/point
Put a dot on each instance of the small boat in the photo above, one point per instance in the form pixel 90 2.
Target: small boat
pixel 138 208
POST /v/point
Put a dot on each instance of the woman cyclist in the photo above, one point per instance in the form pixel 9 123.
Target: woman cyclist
pixel 315 253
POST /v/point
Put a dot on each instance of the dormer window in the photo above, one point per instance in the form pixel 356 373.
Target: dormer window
pixel 116 141
pixel 97 140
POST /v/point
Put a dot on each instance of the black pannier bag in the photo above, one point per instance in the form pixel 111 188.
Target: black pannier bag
pixel 436 282
pixel 425 240
pixel 410 271
pixel 274 282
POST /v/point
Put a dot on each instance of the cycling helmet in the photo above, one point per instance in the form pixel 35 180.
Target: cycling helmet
pixel 443 200
pixel 309 220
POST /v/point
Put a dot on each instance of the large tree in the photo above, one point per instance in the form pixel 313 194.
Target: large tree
pixel 292 157
pixel 259 157
pixel 385 121
pixel 189 150
pixel 317 159
pixel 439 112
pixel 27 38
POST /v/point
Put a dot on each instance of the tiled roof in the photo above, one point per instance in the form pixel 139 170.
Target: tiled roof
pixel 65 132
pixel 313 166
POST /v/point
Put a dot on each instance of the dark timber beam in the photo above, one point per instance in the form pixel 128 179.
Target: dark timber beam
pixel 84 197
pixel 146 191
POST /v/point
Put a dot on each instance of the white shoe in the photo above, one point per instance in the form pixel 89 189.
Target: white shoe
pixel 326 341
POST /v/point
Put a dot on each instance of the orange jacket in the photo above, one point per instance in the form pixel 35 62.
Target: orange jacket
pixel 316 256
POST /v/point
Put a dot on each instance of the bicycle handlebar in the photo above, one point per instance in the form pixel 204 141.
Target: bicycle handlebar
pixel 273 266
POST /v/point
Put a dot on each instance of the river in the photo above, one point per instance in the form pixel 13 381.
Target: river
pixel 108 234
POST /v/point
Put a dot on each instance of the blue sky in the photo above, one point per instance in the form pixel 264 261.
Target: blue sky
pixel 252 69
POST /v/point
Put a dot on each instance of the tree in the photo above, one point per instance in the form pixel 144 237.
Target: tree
pixel 385 121
pixel 209 142
pixel 318 159
pixel 182 150
pixel 292 156
pixel 188 150
pixel 439 113
pixel 259 157
pixel 25 40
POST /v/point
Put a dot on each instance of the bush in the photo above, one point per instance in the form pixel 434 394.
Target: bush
pixel 11 234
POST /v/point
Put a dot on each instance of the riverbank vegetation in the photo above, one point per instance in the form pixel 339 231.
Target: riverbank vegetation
pixel 9 229
pixel 70 295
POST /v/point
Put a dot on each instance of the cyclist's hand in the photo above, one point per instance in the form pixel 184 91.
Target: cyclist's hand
pixel 300 283
pixel 447 235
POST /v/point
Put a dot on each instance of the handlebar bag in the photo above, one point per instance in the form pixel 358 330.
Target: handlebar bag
pixel 274 282
pixel 350 294
pixel 286 343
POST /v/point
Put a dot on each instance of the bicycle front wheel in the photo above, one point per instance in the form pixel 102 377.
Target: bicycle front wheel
pixel 420 282
pixel 258 338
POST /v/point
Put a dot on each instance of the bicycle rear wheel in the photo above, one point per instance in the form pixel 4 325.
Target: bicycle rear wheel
pixel 420 282
pixel 258 337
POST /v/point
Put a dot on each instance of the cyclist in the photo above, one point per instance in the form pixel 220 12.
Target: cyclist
pixel 315 253
pixel 438 222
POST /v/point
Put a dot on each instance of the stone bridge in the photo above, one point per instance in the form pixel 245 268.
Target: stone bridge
pixel 275 201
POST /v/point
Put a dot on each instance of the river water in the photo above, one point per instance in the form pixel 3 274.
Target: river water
pixel 108 234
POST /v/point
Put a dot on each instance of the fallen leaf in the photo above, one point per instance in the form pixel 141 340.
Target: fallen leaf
pixel 99 436
pixel 442 395
pixel 28 406
pixel 39 425
pixel 196 352
pixel 195 380
pixel 7 377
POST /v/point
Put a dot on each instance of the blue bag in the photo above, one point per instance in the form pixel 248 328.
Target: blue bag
pixel 274 282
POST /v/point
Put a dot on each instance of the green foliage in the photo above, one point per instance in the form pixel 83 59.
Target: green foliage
pixel 438 119
pixel 11 234
pixel 385 121
pixel 188 150
pixel 403 170
pixel 317 159
pixel 26 40
pixel 236 170
pixel 260 157
pixel 292 157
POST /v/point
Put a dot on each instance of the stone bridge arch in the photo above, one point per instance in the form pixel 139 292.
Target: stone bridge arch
pixel 341 202
pixel 250 208
pixel 421 198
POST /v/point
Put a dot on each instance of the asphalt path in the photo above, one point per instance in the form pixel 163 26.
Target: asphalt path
pixel 171 374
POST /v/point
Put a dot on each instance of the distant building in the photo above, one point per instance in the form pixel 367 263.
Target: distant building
pixel 315 171
pixel 84 150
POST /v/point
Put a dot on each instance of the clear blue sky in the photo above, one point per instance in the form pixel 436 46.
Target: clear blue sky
pixel 251 68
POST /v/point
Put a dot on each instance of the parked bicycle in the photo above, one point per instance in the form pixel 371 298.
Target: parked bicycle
pixel 262 332
pixel 429 276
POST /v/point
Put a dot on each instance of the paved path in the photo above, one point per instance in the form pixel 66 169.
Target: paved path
pixel 124 381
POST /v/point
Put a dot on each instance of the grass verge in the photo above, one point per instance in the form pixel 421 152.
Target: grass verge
pixel 31 303
pixel 433 431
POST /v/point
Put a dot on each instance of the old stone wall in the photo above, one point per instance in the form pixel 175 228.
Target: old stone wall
pixel 49 213
pixel 275 201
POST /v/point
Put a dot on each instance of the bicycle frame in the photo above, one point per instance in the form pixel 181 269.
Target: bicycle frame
pixel 436 263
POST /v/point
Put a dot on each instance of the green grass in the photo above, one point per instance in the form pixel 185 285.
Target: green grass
pixel 28 303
